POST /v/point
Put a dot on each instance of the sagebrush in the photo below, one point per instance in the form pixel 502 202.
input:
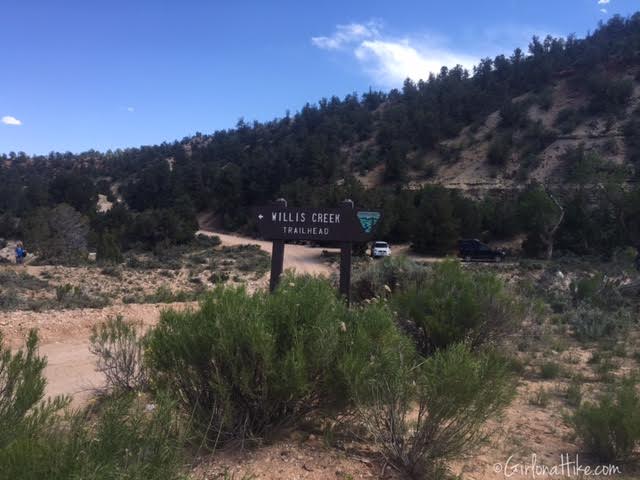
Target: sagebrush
pixel 610 427
pixel 430 413
pixel 124 438
pixel 246 365
pixel 119 347
pixel 453 305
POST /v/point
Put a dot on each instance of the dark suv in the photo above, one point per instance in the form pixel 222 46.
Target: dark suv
pixel 473 249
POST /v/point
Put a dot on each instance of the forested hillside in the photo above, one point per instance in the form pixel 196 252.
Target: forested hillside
pixel 543 144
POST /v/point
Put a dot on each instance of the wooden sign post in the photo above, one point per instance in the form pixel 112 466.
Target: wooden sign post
pixel 346 248
pixel 277 254
pixel 344 225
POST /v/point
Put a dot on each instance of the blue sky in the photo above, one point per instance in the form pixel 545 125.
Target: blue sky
pixel 76 75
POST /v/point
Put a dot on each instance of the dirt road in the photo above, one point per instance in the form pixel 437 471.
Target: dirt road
pixel 64 340
pixel 71 370
pixel 302 259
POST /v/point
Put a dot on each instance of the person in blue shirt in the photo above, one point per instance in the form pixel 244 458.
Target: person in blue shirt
pixel 21 253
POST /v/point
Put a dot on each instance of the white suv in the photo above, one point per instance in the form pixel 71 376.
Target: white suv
pixel 380 249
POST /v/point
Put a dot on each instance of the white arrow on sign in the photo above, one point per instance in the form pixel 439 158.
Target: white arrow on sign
pixel 260 217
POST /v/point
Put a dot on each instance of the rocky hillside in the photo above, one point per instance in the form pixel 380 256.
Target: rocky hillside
pixel 600 136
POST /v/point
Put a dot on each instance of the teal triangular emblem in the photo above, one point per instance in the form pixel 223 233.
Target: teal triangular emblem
pixel 368 220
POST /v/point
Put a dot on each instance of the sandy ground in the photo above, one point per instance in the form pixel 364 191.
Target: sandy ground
pixel 71 370
pixel 299 456
pixel 64 340
pixel 301 258
pixel 65 334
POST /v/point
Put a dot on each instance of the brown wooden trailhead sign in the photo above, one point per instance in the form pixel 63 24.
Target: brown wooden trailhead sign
pixel 345 225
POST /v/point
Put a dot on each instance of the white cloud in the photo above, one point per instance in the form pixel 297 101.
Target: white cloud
pixel 388 60
pixel 603 2
pixel 603 10
pixel 131 109
pixel 9 120
pixel 346 34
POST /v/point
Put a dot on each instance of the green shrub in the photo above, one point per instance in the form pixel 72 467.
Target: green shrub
pixel 57 235
pixel 549 370
pixel 573 393
pixel 388 275
pixel 373 350
pixel 517 365
pixel 245 258
pixel 454 305
pixel 582 166
pixel 62 291
pixel 164 294
pixel 600 308
pixel 22 280
pixel 251 258
pixel 456 392
pixel 112 271
pixel 161 227
pixel 157 261
pixel 22 410
pixel 597 290
pixel 568 119
pixel 108 250
pixel 248 364
pixel 125 439
pixel 544 99
pixel 435 227
pixel 9 299
pixel 69 296
pixel 605 366
pixel 119 348
pixel 610 429
pixel 207 240
pixel 499 151
pixel 591 323
pixel 535 139
pixel 514 114
pixel 608 95
pixel 219 277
